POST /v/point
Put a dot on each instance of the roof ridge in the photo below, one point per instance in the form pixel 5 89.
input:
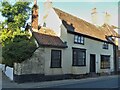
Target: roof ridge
pixel 45 34
pixel 74 16
pixel 81 26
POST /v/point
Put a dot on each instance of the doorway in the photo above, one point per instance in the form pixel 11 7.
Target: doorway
pixel 92 63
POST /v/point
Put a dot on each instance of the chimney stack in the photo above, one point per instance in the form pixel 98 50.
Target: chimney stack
pixel 35 16
pixel 107 18
pixel 48 4
pixel 94 16
pixel 35 2
pixel 47 8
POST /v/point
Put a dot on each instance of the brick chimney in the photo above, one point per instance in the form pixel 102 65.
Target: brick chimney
pixel 35 16
pixel 94 16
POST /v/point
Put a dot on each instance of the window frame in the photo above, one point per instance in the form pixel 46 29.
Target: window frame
pixel 79 39
pixel 78 50
pixel 105 45
pixel 104 67
pixel 51 65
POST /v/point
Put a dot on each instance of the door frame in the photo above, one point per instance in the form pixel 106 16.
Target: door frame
pixel 94 63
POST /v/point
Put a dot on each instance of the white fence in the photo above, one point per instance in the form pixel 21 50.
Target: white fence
pixel 8 72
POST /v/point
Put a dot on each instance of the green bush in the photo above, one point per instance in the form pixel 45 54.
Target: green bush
pixel 18 50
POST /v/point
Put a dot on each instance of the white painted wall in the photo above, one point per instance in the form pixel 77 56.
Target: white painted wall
pixel 91 46
pixel 67 67
pixel 48 70
pixel 53 22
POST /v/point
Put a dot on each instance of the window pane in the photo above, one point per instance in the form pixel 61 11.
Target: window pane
pixel 105 61
pixel 55 58
pixel 82 39
pixel 79 39
pixel 105 45
pixel 76 38
pixel 78 57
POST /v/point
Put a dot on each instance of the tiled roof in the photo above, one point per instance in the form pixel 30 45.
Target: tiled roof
pixel 47 31
pixel 109 30
pixel 48 40
pixel 83 27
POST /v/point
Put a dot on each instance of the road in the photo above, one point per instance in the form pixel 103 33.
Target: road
pixel 97 82
pixel 6 82
pixel 106 82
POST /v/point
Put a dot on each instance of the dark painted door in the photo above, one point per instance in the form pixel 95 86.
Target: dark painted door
pixel 92 63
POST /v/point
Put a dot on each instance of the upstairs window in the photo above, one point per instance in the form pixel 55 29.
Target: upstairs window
pixel 105 45
pixel 78 39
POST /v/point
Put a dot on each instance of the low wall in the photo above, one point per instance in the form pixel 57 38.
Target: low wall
pixel 34 65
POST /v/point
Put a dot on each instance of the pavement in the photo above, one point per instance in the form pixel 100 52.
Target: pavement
pixel 6 83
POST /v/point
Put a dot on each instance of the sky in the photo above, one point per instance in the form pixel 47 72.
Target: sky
pixel 82 8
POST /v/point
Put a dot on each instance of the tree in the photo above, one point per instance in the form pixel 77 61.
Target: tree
pixel 19 50
pixel 17 45
pixel 16 15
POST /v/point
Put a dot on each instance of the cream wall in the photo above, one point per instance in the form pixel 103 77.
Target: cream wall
pixel 65 65
pixel 91 46
pixel 52 21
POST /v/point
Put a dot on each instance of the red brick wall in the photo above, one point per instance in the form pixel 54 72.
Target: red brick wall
pixel 35 17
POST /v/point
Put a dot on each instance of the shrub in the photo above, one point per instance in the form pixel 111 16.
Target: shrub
pixel 18 50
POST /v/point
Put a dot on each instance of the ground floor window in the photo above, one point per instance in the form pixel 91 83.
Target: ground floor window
pixel 105 61
pixel 56 58
pixel 79 57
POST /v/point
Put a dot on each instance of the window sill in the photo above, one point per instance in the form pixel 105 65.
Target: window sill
pixel 79 65
pixel 104 68
pixel 55 67
pixel 78 43
pixel 105 48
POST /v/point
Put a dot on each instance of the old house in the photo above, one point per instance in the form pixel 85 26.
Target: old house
pixel 67 46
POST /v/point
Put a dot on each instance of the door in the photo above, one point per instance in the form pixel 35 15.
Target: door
pixel 92 63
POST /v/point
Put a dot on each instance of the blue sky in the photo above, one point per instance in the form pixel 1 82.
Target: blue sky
pixel 82 8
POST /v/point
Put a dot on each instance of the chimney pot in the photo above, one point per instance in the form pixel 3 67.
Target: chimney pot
pixel 94 16
pixel 107 18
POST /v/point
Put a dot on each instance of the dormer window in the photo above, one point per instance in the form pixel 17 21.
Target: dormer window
pixel 78 39
pixel 105 45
